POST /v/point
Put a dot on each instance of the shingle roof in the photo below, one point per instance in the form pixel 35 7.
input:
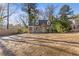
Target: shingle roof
pixel 39 22
pixel 42 22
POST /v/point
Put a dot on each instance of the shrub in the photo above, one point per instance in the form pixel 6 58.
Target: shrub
pixel 61 26
pixel 57 26
pixel 25 30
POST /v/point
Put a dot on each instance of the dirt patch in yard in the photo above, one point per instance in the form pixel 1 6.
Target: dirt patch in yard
pixel 43 44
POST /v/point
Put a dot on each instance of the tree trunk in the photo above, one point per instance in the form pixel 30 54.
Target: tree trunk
pixel 8 16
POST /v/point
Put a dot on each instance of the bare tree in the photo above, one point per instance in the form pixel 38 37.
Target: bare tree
pixel 7 15
pixel 23 19
pixel 5 12
pixel 50 14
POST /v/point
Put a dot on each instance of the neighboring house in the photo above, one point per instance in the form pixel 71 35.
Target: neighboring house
pixel 41 26
pixel 75 24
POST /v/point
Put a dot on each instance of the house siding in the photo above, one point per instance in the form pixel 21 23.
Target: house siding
pixel 40 27
pixel 75 25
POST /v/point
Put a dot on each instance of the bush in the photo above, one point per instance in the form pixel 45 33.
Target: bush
pixel 9 31
pixel 57 26
pixel 22 30
pixel 61 26
pixel 66 25
pixel 12 31
pixel 25 30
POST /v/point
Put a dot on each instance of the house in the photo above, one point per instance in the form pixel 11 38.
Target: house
pixel 75 24
pixel 40 26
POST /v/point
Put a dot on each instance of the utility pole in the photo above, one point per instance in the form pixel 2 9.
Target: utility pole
pixel 8 16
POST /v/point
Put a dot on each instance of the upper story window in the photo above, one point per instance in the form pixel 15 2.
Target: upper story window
pixel 48 22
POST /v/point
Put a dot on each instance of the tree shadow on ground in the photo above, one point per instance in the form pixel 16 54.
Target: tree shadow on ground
pixel 6 51
pixel 49 39
pixel 56 48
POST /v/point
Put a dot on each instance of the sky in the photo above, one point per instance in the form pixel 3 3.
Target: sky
pixel 74 6
pixel 41 6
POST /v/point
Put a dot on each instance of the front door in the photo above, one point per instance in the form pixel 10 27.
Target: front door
pixel 43 29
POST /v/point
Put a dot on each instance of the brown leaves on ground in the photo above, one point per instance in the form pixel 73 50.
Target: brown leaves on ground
pixel 41 45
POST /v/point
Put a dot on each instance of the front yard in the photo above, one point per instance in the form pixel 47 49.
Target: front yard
pixel 40 44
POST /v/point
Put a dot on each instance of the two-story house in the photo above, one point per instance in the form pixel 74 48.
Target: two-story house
pixel 41 26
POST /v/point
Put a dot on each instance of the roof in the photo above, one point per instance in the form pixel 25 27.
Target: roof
pixel 42 22
pixel 39 22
